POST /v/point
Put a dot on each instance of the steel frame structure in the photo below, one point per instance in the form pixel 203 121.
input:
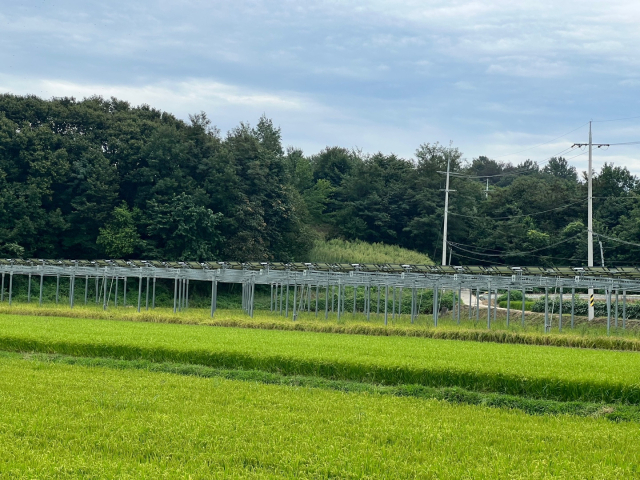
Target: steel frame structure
pixel 305 277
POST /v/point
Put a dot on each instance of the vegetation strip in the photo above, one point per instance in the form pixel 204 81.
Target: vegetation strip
pixel 535 372
pixel 612 412
pixel 270 322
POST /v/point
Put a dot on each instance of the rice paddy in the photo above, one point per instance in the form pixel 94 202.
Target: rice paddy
pixel 153 394
pixel 70 421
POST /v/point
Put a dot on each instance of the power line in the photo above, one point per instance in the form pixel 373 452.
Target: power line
pixel 614 120
pixel 512 254
pixel 519 216
pixel 616 239
pixel 515 172
pixel 542 144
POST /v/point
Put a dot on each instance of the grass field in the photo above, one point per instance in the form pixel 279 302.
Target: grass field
pixel 70 421
pixel 533 371
pixel 343 251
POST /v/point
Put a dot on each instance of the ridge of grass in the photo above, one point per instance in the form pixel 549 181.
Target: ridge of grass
pixel 535 372
pixel 266 321
pixel 613 412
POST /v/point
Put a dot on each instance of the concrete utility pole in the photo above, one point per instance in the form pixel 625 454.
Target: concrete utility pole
pixel 446 214
pixel 590 209
pixel 590 219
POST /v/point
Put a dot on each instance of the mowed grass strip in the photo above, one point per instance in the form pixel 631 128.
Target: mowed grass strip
pixel 61 421
pixel 538 372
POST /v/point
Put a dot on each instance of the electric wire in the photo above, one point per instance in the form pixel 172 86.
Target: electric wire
pixel 615 239
pixel 512 254
pixel 515 172
pixel 615 119
pixel 546 143
pixel 518 216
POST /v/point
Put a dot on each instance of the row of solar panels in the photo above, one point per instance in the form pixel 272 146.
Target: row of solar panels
pixel 626 272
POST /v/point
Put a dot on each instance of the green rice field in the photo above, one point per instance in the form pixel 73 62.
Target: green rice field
pixel 106 398
pixel 535 371
pixel 62 421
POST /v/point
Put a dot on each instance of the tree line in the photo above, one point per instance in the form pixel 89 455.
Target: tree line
pixel 99 178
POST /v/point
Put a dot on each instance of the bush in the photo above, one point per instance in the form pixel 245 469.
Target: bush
pixel 582 307
pixel 517 305
pixel 515 295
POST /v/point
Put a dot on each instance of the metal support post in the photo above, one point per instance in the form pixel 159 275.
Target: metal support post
pixel 369 303
pixel 115 296
pixel 573 307
pixel 252 287
pixel 271 299
pixel 2 290
pixel 560 311
pixel 624 309
pixel 86 289
pixel 459 301
pixel 139 292
pixel 508 305
pixel 435 305
pixel 153 294
pixel 326 301
pixel 124 291
pixel 495 305
pixel 58 288
pixel 378 308
pixel 10 287
pixel 339 297
pixel 470 301
pixel 29 290
pixel 104 287
pixel 546 309
pixel 386 303
pixel 295 293
pixel 175 295
pixel 616 311
pixel 355 298
pixel 186 297
pixel 393 303
pixel 478 305
pixel 214 294
pixel 146 303
pixel 287 300
pixel 523 305
pixel 608 294
pixel 317 294
pixel 72 286
pixel 41 289
pixel 97 289
pixel 489 306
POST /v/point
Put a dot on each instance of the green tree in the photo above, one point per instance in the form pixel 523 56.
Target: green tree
pixel 119 237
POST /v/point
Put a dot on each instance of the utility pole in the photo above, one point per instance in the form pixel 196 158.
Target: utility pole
pixel 590 210
pixel 446 214
pixel 590 220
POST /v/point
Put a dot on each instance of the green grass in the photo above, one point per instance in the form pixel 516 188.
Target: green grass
pixel 357 251
pixel 532 371
pixel 62 421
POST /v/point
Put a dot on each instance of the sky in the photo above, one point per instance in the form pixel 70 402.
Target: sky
pixel 509 80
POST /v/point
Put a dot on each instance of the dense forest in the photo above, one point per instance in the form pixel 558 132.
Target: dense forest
pixel 99 178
